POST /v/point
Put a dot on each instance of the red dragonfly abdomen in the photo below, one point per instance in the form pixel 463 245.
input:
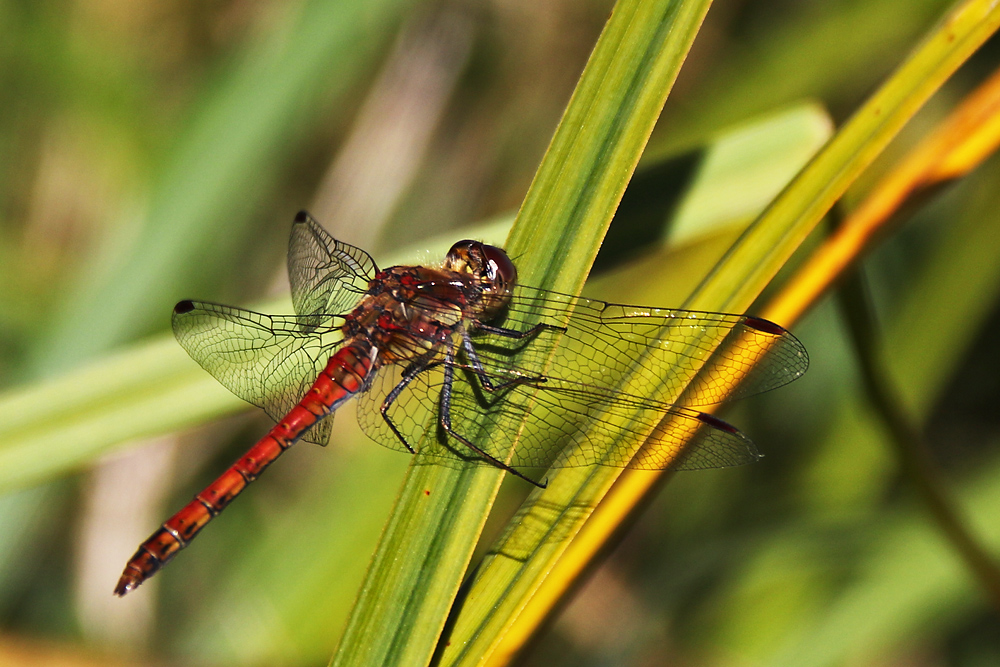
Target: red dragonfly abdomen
pixel 345 375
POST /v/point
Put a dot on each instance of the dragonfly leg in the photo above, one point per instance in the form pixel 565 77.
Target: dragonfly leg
pixel 484 378
pixel 519 335
pixel 409 374
pixel 444 419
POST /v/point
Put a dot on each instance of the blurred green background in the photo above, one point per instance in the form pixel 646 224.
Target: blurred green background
pixel 158 151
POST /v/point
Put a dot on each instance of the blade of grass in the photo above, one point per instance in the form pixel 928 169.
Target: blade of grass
pixel 959 144
pixel 970 134
pixel 908 582
pixel 575 192
pixel 430 537
pixel 505 600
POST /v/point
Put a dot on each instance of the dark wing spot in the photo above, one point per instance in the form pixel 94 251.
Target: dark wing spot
pixel 717 423
pixel 766 326
pixel 185 306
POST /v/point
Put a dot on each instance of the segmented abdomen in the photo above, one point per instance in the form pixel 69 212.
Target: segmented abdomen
pixel 345 374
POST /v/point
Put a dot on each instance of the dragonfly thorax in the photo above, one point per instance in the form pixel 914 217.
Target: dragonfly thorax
pixel 410 311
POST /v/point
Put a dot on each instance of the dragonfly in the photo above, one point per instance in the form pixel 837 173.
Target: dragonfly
pixel 459 364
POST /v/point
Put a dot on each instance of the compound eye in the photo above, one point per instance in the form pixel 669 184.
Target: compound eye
pixel 498 265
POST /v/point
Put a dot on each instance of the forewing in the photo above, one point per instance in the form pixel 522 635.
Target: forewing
pixel 658 353
pixel 267 360
pixel 327 276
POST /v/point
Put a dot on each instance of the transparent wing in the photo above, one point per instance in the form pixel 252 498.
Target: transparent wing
pixel 655 350
pixel 326 275
pixel 267 360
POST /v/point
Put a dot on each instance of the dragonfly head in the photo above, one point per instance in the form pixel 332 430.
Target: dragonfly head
pixel 487 263
pixel 484 261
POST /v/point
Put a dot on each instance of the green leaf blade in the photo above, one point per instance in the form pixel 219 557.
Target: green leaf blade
pixel 555 238
pixel 504 586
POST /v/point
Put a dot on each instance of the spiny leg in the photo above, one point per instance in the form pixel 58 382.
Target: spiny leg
pixel 411 372
pixel 477 365
pixel 519 335
pixel 444 419
pixel 484 377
